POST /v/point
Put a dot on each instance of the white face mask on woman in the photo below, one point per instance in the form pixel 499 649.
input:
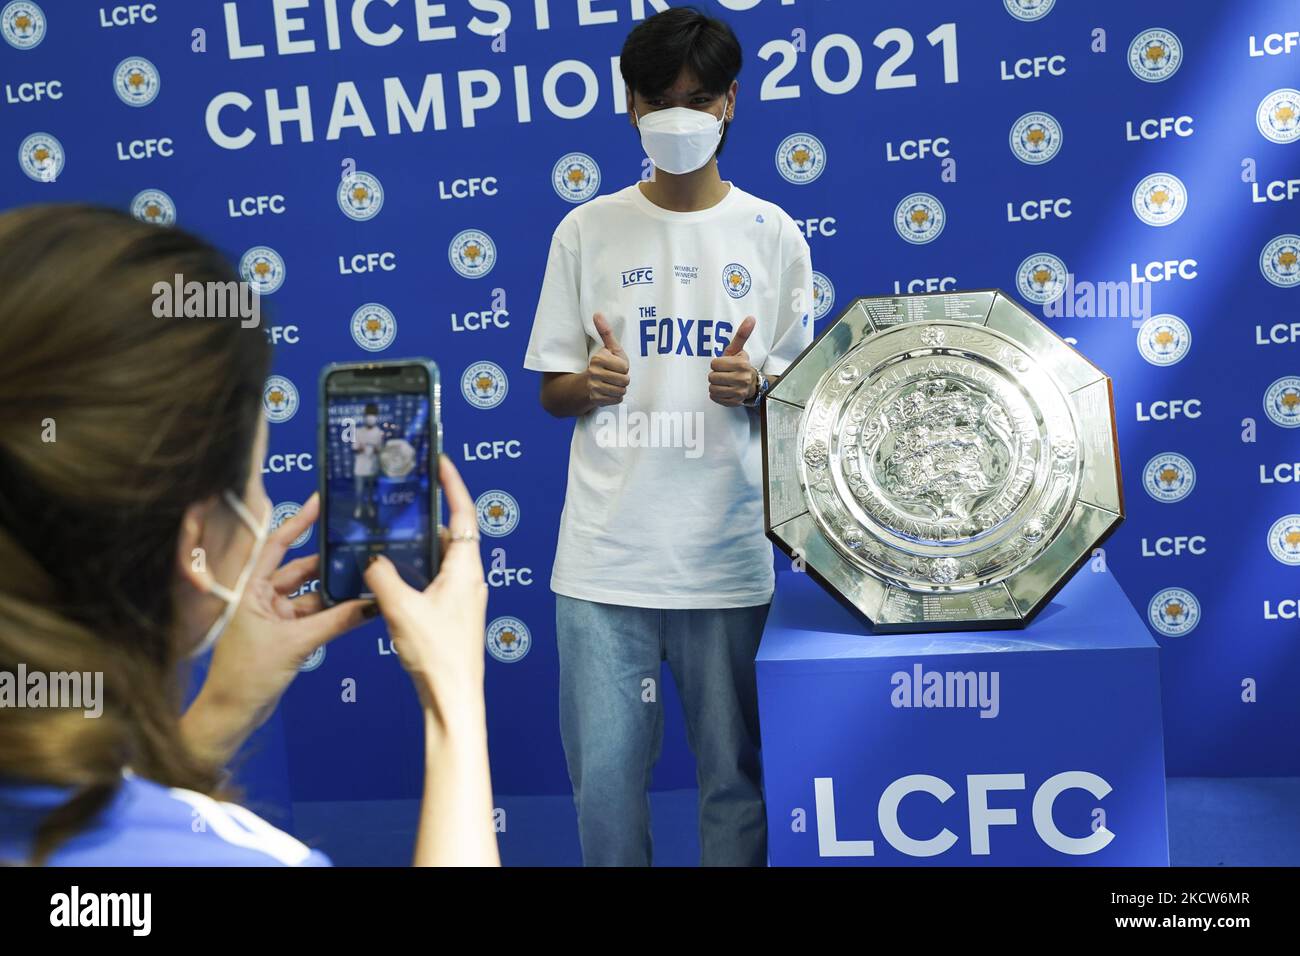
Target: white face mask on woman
pixel 232 596
pixel 679 140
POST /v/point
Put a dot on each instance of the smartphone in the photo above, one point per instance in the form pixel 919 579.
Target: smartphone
pixel 380 435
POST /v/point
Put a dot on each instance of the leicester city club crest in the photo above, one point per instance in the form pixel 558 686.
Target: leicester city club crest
pixel 22 24
pixel 1160 199
pixel 1169 477
pixel 374 327
pixel 1279 261
pixel 1284 539
pixel 1278 116
pixel 484 385
pixel 735 279
pixel 282 513
pixel 1174 612
pixel 919 218
pixel 823 296
pixel 801 158
pixel 155 206
pixel 498 513
pixel 136 81
pixel 1036 138
pixel 1155 55
pixel 1164 340
pixel 360 196
pixel 262 268
pixel 508 639
pixel 1041 278
pixel 472 253
pixel 1029 10
pixel 41 157
pixel 576 177
pixel 1282 401
pixel 314 660
pixel 279 399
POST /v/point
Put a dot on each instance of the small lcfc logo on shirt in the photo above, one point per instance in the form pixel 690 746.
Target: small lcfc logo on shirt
pixel 759 218
pixel 736 280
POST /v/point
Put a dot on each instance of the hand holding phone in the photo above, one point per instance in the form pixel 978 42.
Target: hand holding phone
pixel 438 632
pixel 380 438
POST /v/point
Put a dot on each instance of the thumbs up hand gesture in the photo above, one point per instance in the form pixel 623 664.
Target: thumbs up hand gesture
pixel 607 370
pixel 732 380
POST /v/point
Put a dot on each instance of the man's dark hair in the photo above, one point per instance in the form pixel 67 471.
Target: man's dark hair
pixel 657 50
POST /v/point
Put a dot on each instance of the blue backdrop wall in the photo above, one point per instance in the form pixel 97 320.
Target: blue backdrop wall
pixel 391 172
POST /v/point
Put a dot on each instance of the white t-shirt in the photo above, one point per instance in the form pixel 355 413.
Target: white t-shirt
pixel 366 441
pixel 664 506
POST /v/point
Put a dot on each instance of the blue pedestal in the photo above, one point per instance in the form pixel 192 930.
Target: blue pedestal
pixel 877 750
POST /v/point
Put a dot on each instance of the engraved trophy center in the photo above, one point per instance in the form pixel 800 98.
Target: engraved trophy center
pixel 937 451
pixel 932 447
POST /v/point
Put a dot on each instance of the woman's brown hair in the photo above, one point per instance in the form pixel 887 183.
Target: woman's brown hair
pixel 112 422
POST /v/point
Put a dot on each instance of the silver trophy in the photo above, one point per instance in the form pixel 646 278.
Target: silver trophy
pixel 941 461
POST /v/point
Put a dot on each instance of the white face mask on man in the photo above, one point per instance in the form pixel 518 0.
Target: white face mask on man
pixel 232 596
pixel 679 140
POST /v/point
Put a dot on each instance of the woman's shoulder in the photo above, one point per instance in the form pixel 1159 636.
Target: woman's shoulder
pixel 148 824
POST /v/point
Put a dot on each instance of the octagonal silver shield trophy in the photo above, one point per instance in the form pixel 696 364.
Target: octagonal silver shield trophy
pixel 941 461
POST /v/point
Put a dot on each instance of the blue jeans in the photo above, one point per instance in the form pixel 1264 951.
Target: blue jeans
pixel 611 722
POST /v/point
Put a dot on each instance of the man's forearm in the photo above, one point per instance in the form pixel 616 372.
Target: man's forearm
pixel 566 394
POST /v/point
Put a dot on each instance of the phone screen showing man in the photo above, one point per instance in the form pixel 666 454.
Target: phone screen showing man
pixel 378 485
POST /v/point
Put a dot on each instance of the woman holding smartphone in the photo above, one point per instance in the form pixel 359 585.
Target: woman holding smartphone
pixel 134 534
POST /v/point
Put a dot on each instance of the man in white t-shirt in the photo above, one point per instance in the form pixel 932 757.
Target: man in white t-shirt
pixel 667 311
pixel 367 438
